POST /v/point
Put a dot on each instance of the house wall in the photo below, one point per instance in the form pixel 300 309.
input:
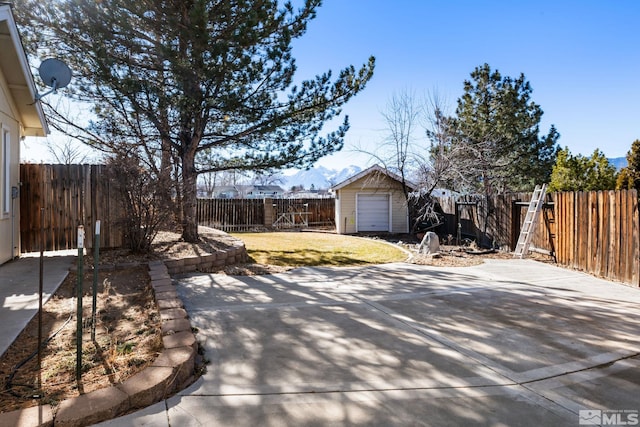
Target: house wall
pixel 9 208
pixel 346 203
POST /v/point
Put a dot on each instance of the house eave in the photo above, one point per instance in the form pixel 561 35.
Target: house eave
pixel 17 74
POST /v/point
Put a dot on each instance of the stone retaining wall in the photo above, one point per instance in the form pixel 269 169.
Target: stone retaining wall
pixel 205 263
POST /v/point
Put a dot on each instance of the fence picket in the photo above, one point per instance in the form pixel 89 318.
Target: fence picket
pixel 625 238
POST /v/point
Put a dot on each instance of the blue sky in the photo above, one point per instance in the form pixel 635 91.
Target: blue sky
pixel 582 59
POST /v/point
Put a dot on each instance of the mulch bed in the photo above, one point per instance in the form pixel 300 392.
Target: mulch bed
pixel 127 339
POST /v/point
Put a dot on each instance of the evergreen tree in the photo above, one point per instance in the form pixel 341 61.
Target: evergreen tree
pixel 601 175
pixel 580 173
pixel 567 172
pixel 495 135
pixel 176 79
pixel 629 176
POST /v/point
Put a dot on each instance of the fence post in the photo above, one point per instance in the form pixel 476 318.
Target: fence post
pixel 268 212
pixel 94 297
pixel 515 223
pixel 79 298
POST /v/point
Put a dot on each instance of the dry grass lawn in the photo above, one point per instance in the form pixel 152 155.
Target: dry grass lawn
pixel 297 249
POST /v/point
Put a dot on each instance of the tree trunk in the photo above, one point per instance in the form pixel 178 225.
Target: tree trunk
pixel 166 183
pixel 189 198
pixel 488 196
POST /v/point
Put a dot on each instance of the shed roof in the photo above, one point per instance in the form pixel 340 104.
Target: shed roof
pixel 373 169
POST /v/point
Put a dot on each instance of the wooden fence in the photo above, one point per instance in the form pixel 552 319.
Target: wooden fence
pixel 73 195
pixel 316 213
pixel 251 214
pixel 70 195
pixel 231 214
pixel 598 233
pixel 595 232
pixel 468 216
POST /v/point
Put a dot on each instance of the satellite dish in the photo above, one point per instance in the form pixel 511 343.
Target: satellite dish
pixel 55 74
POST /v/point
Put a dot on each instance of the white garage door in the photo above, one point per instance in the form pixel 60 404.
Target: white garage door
pixel 373 212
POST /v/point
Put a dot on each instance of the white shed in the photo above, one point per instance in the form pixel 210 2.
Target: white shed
pixel 372 201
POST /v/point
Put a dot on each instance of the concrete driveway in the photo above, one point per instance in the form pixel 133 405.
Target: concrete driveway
pixel 506 343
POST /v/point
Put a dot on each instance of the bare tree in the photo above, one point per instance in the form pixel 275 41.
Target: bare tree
pixel 268 179
pixel 67 152
pixel 435 162
pixel 417 147
pixel 434 165
pixel 403 116
pixel 144 212
pixel 207 183
pixel 210 180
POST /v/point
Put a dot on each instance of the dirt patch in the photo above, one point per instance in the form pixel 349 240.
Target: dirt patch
pixel 169 245
pixel 127 339
pixel 455 256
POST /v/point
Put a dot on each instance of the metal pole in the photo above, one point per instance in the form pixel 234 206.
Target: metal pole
pixel 96 257
pixel 79 298
pixel 40 292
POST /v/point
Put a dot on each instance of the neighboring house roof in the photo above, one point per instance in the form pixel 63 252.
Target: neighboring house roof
pixel 248 190
pixel 268 188
pixel 373 169
pixel 15 68
pixel 444 192
pixel 221 188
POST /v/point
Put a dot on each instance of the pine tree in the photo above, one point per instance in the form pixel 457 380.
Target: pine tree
pixel 629 176
pixel 580 173
pixel 173 80
pixel 496 134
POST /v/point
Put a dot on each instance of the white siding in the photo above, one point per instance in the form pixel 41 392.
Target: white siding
pixel 19 117
pixel 9 177
pixel 5 167
pixel 346 203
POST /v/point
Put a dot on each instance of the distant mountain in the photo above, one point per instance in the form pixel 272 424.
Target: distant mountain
pixel 322 178
pixel 344 174
pixel 319 177
pixel 618 162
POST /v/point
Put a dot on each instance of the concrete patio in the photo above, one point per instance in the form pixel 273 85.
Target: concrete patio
pixel 509 342
pixel 19 289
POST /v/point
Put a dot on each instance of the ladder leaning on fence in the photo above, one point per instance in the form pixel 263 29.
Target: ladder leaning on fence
pixel 530 221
